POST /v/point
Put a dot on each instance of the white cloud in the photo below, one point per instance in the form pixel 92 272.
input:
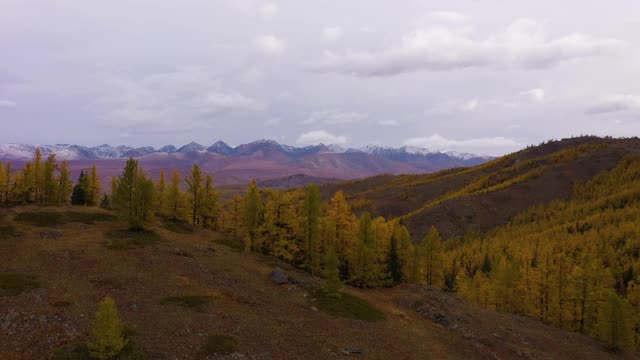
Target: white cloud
pixel 477 145
pixel 332 33
pixel 7 103
pixel 449 16
pixel 270 45
pixel 268 10
pixel 470 105
pixel 320 137
pixel 272 122
pixel 388 123
pixel 181 100
pixel 215 102
pixel 453 106
pixel 334 117
pixel 535 95
pixel 522 44
pixel 616 103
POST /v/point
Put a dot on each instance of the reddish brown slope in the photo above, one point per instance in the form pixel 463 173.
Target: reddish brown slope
pixel 480 198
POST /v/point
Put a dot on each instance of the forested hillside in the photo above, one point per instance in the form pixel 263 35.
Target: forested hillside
pixel 548 232
pixel 482 197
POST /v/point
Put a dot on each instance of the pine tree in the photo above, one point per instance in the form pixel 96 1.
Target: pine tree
pixel 3 182
pixel 133 197
pixel 38 172
pixel 235 216
pixel 65 186
pixel 614 321
pixel 363 273
pixel 50 185
pixel 341 224
pixel 161 194
pixel 95 187
pixel 87 190
pixel 195 191
pixel 27 184
pixel 107 331
pixel 394 266
pixel 405 251
pixel 311 227
pixel 252 210
pixel 174 196
pixel 432 252
pixel 78 196
pixel 210 204
pixel 105 203
pixel 332 283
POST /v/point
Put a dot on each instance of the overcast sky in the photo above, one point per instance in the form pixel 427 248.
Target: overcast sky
pixel 485 76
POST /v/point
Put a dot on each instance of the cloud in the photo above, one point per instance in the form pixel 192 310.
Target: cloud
pixel 320 137
pixel 454 106
pixel 478 145
pixel 216 102
pixel 535 95
pixel 449 16
pixel 334 117
pixel 522 44
pixel 268 10
pixel 388 123
pixel 272 122
pixel 470 105
pixel 180 100
pixel 6 103
pixel 332 33
pixel 270 45
pixel 616 103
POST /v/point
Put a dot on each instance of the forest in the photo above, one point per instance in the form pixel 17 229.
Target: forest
pixel 572 263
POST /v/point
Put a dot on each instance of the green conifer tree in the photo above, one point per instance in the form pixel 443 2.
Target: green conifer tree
pixel 107 332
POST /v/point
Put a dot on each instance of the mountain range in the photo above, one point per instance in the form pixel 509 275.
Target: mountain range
pixel 262 159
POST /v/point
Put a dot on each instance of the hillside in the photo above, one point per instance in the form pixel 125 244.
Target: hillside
pixel 482 197
pixel 74 269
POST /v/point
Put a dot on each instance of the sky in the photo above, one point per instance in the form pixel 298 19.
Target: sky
pixel 487 77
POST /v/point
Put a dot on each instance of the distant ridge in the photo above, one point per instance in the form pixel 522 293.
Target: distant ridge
pixel 105 151
pixel 274 164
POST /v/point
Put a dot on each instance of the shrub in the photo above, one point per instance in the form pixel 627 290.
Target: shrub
pixel 178 226
pixel 131 239
pixel 346 305
pixel 194 302
pixel 220 344
pixel 56 218
pixel 234 244
pixel 15 283
pixel 8 231
pixel 81 352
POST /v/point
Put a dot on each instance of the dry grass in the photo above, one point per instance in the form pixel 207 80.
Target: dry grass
pixel 268 321
pixel 220 344
pixel 49 218
pixel 12 284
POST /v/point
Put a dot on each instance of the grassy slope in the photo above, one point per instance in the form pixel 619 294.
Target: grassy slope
pixel 270 322
pixel 488 195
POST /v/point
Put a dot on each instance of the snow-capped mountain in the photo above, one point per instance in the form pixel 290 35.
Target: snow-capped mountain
pixel 417 159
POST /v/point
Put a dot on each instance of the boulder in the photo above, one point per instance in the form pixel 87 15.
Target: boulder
pixel 278 276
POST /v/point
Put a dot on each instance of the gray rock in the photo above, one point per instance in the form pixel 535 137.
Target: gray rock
pixel 351 350
pixel 278 276
pixel 51 234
